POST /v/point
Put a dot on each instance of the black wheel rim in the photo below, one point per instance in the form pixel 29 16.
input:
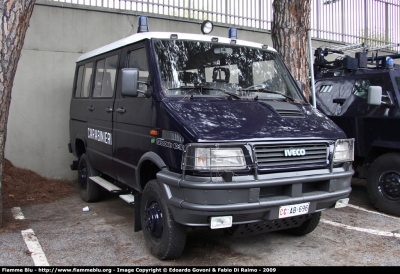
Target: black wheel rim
pixel 82 177
pixel 389 185
pixel 153 219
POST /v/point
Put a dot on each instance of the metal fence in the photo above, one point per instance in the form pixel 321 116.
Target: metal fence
pixel 373 22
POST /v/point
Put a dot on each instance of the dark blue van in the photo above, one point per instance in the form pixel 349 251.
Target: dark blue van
pixel 203 131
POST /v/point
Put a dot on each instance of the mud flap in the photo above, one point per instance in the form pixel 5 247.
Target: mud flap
pixel 138 201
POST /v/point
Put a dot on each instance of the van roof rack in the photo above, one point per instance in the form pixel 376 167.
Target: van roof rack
pixel 344 64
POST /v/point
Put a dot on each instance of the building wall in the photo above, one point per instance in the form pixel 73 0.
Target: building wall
pixel 38 124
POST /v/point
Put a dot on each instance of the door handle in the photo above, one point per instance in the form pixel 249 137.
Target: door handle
pixel 109 109
pixel 91 108
pixel 121 110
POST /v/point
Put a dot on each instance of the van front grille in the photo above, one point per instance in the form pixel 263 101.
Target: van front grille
pixel 270 156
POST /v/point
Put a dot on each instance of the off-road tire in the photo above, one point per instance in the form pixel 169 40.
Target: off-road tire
pixel 383 183
pixel 307 227
pixel 164 237
pixel 90 191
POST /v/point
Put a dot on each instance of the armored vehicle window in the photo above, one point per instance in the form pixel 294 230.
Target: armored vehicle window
pixel 326 88
pixel 106 71
pixel 83 81
pixel 398 82
pixel 327 91
pixel 138 59
pixel 361 86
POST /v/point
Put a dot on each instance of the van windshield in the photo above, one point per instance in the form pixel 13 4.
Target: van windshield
pixel 211 69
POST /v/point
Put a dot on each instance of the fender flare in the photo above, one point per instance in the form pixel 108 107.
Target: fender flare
pixel 373 153
pixel 154 158
pixel 81 137
pixel 386 144
pixel 149 156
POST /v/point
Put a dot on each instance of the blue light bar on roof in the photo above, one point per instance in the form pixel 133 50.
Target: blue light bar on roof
pixel 232 33
pixel 143 25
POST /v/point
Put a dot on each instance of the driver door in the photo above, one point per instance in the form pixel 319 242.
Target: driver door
pixel 132 119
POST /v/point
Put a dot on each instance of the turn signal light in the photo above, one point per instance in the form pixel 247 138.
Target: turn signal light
pixel 154 132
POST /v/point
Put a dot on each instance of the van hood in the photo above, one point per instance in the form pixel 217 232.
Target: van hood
pixel 247 120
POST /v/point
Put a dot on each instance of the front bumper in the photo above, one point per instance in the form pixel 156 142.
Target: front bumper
pixel 193 200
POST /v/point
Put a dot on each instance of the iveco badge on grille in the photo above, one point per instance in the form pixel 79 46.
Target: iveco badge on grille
pixel 294 152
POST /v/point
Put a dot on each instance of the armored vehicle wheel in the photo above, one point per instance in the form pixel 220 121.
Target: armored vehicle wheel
pixel 383 183
pixel 165 238
pixel 306 227
pixel 89 190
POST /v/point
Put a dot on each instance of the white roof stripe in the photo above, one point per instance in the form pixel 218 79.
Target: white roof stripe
pixel 163 35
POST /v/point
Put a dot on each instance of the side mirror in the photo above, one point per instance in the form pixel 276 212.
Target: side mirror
pixel 130 77
pixel 130 81
pixel 375 95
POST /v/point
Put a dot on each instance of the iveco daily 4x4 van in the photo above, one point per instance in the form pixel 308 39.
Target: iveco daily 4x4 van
pixel 203 131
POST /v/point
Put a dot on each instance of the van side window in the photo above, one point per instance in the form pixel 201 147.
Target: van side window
pixel 106 71
pixel 83 81
pixel 138 59
pixel 361 86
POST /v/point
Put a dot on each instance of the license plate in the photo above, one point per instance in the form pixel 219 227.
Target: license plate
pixel 293 210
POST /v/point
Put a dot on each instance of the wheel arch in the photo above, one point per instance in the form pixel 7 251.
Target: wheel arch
pixel 149 165
pixel 79 145
pixel 378 148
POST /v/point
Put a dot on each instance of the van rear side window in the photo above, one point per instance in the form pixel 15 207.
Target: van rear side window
pixel 106 71
pixel 83 81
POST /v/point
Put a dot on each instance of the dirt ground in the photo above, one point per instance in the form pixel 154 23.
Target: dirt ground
pixel 23 187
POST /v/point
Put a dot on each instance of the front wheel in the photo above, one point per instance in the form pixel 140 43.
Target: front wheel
pixel 165 238
pixel 307 227
pixel 383 183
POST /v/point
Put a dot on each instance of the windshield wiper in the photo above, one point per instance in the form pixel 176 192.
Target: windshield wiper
pixel 263 90
pixel 201 88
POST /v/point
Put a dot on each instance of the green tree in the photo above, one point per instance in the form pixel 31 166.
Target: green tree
pixel 15 16
pixel 291 22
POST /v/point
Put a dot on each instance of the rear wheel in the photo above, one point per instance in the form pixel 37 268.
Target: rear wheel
pixel 165 238
pixel 89 190
pixel 306 227
pixel 383 183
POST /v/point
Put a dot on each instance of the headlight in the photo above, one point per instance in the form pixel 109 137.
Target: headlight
pixel 218 158
pixel 344 150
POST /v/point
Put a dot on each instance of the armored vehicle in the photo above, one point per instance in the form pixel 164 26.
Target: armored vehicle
pixel 361 95
pixel 203 131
